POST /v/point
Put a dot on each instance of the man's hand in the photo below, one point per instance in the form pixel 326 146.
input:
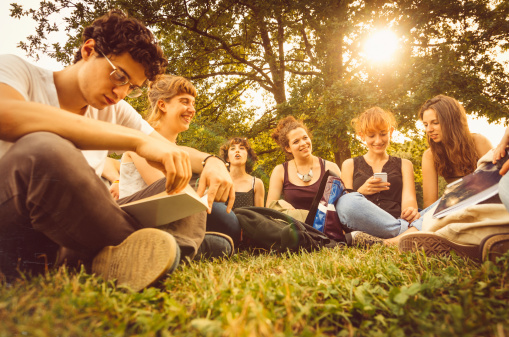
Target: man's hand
pixel 217 179
pixel 170 159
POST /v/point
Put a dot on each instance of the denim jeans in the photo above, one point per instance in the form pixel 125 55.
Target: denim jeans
pixel 220 221
pixel 359 214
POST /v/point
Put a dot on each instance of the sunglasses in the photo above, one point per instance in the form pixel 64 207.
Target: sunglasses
pixel 119 78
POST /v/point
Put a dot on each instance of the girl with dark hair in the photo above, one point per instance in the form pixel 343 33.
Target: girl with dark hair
pixel 249 190
pixel 453 151
pixel 298 179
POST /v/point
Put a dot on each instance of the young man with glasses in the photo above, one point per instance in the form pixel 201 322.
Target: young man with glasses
pixel 51 201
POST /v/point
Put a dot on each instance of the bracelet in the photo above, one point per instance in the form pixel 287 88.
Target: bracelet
pixel 213 155
pixel 116 181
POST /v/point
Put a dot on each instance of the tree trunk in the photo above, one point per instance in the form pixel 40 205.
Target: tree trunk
pixel 342 152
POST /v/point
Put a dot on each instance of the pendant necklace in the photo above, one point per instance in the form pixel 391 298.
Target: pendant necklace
pixel 304 177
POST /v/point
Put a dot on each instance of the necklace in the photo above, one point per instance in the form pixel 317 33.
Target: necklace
pixel 304 177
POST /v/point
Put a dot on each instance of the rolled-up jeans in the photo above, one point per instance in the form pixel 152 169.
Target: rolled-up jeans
pixel 50 198
pixel 359 214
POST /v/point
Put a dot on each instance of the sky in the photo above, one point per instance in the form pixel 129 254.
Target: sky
pixel 15 30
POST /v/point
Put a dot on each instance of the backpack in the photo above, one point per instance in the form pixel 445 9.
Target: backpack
pixel 272 230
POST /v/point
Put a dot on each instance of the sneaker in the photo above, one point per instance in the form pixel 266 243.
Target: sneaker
pixel 140 260
pixel 433 244
pixel 361 239
pixel 494 246
pixel 215 245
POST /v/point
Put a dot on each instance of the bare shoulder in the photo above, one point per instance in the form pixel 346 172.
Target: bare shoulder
pixel 347 164
pixel 406 163
pixel 332 167
pixel 427 155
pixel 482 144
pixel 258 183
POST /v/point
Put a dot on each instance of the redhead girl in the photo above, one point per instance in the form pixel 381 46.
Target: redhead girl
pixel 382 209
pixel 249 191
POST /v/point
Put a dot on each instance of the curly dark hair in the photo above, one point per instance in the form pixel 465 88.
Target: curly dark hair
pixel 115 33
pixel 456 153
pixel 251 155
pixel 280 134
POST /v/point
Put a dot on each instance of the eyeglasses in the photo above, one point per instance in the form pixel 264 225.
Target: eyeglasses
pixel 119 78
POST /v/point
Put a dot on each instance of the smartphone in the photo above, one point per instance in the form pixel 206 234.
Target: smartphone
pixel 381 175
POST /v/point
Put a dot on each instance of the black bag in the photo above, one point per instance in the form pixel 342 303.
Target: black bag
pixel 272 230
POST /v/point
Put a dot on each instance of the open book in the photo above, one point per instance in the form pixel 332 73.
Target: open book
pixel 469 190
pixel 163 208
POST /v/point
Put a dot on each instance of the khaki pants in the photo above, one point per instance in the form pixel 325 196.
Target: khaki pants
pixel 471 225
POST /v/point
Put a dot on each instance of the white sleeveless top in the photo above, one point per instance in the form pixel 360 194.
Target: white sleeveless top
pixel 130 180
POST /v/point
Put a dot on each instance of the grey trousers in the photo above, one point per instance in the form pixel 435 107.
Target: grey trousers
pixel 52 201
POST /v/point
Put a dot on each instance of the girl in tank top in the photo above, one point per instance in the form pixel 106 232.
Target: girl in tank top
pixel 388 207
pixel 298 179
pixel 249 190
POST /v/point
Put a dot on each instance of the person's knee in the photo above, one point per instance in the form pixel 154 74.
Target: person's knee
pixel 348 203
pixel 220 221
pixel 49 151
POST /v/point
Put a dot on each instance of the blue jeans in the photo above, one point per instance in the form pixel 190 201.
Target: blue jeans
pixel 359 214
pixel 220 221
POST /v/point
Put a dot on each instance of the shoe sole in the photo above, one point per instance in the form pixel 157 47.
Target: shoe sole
pixel 495 246
pixel 140 260
pixel 433 244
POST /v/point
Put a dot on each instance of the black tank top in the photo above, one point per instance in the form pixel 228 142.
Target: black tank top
pixel 389 201
pixel 245 199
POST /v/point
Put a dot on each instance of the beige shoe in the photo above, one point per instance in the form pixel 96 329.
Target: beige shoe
pixel 433 244
pixel 140 260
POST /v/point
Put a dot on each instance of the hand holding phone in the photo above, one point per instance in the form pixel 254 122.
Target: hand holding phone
pixel 381 175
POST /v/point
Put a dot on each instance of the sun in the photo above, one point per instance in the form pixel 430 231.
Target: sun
pixel 380 46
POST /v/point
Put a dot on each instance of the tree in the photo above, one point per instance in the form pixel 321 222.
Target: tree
pixel 307 56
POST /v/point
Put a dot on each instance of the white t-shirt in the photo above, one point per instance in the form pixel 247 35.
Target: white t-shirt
pixel 37 85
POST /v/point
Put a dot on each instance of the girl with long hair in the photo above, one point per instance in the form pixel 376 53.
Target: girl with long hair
pixel 249 190
pixel 453 151
pixel 297 179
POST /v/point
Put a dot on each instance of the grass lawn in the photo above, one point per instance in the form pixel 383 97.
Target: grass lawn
pixel 350 292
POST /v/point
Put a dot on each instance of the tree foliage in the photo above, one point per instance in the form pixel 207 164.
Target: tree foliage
pixel 306 58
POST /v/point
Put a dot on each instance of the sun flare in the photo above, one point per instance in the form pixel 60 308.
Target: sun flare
pixel 380 46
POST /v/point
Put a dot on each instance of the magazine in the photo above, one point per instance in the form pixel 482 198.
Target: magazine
pixel 163 208
pixel 469 190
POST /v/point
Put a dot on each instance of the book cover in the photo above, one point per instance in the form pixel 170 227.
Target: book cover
pixel 163 208
pixel 469 190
